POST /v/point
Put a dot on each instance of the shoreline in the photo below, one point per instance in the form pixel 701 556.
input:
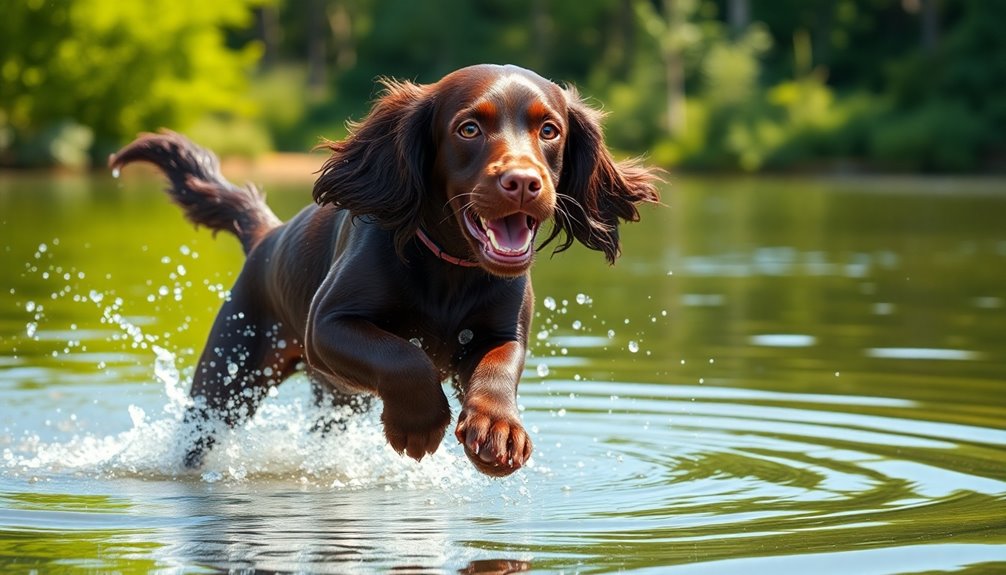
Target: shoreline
pixel 303 167
pixel 274 167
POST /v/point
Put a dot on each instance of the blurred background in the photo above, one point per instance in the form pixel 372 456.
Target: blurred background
pixel 724 85
pixel 789 372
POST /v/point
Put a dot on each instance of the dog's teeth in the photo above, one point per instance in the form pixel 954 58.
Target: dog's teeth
pixel 492 238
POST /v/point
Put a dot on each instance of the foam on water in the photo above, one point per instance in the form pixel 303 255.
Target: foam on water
pixel 278 443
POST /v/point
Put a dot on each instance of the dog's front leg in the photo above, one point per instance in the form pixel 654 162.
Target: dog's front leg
pixel 489 426
pixel 357 352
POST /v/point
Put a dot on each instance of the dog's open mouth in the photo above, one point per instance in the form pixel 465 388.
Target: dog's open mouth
pixel 507 239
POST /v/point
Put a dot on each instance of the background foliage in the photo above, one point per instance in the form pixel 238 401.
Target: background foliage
pixel 717 85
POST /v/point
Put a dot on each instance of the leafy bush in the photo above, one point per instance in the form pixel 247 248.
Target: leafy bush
pixel 118 68
pixel 231 136
pixel 938 135
pixel 64 144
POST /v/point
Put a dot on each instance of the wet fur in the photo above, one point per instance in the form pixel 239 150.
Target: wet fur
pixel 347 288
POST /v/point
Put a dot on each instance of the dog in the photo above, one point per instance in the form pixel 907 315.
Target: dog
pixel 412 266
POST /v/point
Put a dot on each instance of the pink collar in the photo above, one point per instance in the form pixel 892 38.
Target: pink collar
pixel 440 253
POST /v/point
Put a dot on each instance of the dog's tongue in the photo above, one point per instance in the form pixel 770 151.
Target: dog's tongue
pixel 509 235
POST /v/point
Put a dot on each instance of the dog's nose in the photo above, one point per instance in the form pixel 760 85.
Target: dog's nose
pixel 520 184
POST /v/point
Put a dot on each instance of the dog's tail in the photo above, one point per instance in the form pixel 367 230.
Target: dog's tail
pixel 199 188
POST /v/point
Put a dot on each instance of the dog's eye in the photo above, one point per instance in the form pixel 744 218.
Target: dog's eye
pixel 469 130
pixel 549 131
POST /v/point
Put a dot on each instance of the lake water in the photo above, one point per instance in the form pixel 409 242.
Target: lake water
pixel 779 376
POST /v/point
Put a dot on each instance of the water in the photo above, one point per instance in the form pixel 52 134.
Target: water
pixel 779 376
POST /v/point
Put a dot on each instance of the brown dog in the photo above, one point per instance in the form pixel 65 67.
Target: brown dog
pixel 413 266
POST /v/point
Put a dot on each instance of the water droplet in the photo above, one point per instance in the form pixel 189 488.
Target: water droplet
pixel 416 342
pixel 232 368
pixel 611 333
pixel 542 370
pixel 29 307
pixel 577 324
pixel 633 346
pixel 582 299
pixel 116 172
pixel 137 415
pixel 543 335
pixel 549 303
pixel 465 336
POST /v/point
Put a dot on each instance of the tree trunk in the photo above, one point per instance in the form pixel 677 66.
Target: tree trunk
pixel 625 38
pixel 540 32
pixel 930 25
pixel 821 34
pixel 270 33
pixel 317 46
pixel 738 16
pixel 675 94
pixel 341 24
pixel 675 70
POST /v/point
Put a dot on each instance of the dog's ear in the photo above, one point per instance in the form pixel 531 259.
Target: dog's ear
pixel 594 190
pixel 380 170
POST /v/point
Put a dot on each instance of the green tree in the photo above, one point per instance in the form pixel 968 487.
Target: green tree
pixel 103 70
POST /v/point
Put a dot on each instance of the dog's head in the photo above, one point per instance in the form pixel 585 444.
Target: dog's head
pixel 480 160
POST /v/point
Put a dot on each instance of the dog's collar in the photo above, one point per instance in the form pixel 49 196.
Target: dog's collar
pixel 440 253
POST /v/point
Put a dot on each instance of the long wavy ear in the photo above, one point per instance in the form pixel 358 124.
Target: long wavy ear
pixel 380 170
pixel 594 190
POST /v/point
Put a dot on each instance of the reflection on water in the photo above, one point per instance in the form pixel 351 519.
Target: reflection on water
pixel 921 353
pixel 779 376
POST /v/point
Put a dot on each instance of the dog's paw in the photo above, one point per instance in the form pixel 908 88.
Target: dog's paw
pixel 413 429
pixel 493 438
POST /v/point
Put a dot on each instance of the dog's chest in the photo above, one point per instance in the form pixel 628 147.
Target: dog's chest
pixel 444 339
pixel 445 327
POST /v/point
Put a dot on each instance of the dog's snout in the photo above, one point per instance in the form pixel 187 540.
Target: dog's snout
pixel 520 184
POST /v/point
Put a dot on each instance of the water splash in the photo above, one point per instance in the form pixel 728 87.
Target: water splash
pixel 150 442
pixel 279 443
